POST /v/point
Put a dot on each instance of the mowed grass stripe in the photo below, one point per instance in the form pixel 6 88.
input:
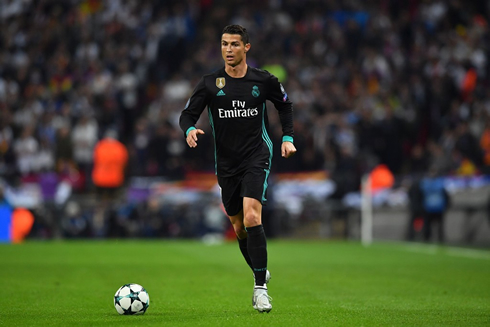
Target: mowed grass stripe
pixel 314 283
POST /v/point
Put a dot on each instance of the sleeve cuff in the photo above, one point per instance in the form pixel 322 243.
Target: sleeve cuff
pixel 287 139
pixel 188 130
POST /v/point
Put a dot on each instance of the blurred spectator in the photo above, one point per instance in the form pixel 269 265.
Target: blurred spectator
pixel 415 209
pixel 138 147
pixel 436 201
pixel 467 144
pixel 64 151
pixel 156 155
pixel 84 137
pixel 7 159
pixel 485 144
pixel 418 163
pixel 26 149
pixel 108 175
pixel 126 87
pixel 174 165
pixel 45 158
pixel 75 222
pixel 155 224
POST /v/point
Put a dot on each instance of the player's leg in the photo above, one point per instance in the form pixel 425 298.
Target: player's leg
pixel 245 212
pixel 257 243
pixel 230 195
pixel 241 235
pixel 254 191
pixel 257 249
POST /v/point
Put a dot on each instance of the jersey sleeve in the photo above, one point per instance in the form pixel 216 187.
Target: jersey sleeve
pixel 194 108
pixel 278 96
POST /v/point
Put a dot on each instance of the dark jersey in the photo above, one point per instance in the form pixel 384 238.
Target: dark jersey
pixel 238 117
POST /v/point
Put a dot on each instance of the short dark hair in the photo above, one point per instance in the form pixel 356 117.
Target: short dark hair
pixel 237 29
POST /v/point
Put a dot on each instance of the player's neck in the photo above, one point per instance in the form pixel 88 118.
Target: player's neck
pixel 238 71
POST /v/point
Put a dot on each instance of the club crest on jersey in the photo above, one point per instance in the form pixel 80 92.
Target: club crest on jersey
pixel 220 82
pixel 255 91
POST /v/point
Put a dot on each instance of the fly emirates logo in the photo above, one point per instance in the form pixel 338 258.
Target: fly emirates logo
pixel 238 110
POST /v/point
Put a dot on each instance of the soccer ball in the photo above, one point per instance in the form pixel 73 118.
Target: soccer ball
pixel 131 299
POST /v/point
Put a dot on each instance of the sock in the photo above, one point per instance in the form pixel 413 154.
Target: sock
pixel 257 250
pixel 243 248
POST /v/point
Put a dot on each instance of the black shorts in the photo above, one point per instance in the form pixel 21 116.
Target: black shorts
pixel 252 183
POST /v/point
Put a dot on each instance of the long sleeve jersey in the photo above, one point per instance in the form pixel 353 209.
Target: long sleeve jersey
pixel 238 117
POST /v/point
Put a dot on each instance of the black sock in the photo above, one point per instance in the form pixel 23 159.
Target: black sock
pixel 243 248
pixel 257 250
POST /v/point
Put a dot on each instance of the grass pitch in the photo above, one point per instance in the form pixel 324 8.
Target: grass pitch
pixel 314 283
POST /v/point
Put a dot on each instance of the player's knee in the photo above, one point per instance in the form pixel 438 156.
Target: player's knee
pixel 239 228
pixel 241 233
pixel 252 219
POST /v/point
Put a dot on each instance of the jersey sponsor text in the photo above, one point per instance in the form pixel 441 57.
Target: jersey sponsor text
pixel 237 113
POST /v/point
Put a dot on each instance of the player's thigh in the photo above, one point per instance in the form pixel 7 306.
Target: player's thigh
pixel 252 212
pixel 254 184
pixel 230 194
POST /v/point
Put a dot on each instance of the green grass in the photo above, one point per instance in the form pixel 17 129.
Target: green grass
pixel 314 283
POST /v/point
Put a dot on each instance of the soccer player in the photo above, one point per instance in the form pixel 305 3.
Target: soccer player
pixel 235 96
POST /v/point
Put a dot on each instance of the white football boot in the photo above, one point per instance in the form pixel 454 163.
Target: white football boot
pixel 261 301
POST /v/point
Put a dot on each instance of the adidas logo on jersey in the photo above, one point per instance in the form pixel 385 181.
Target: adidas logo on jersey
pixel 220 93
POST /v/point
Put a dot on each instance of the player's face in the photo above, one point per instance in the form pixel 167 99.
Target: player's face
pixel 233 49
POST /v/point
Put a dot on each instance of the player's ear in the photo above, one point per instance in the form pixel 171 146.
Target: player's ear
pixel 247 47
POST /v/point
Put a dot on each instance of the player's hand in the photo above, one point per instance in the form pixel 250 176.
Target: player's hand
pixel 192 137
pixel 287 149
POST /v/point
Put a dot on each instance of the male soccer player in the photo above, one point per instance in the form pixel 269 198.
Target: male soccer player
pixel 236 99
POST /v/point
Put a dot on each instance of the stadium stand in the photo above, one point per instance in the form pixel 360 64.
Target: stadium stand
pixel 403 84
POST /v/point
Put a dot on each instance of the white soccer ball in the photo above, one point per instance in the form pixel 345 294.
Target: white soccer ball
pixel 131 299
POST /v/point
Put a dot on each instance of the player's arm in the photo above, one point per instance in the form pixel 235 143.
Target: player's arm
pixel 278 96
pixel 191 113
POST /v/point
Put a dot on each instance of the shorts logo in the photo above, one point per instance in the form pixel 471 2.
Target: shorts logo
pixel 220 82
pixel 255 91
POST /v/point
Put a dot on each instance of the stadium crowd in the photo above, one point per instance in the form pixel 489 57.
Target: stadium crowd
pixel 404 83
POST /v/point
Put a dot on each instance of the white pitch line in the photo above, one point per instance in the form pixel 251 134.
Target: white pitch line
pixel 450 251
pixel 467 253
pixel 422 248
